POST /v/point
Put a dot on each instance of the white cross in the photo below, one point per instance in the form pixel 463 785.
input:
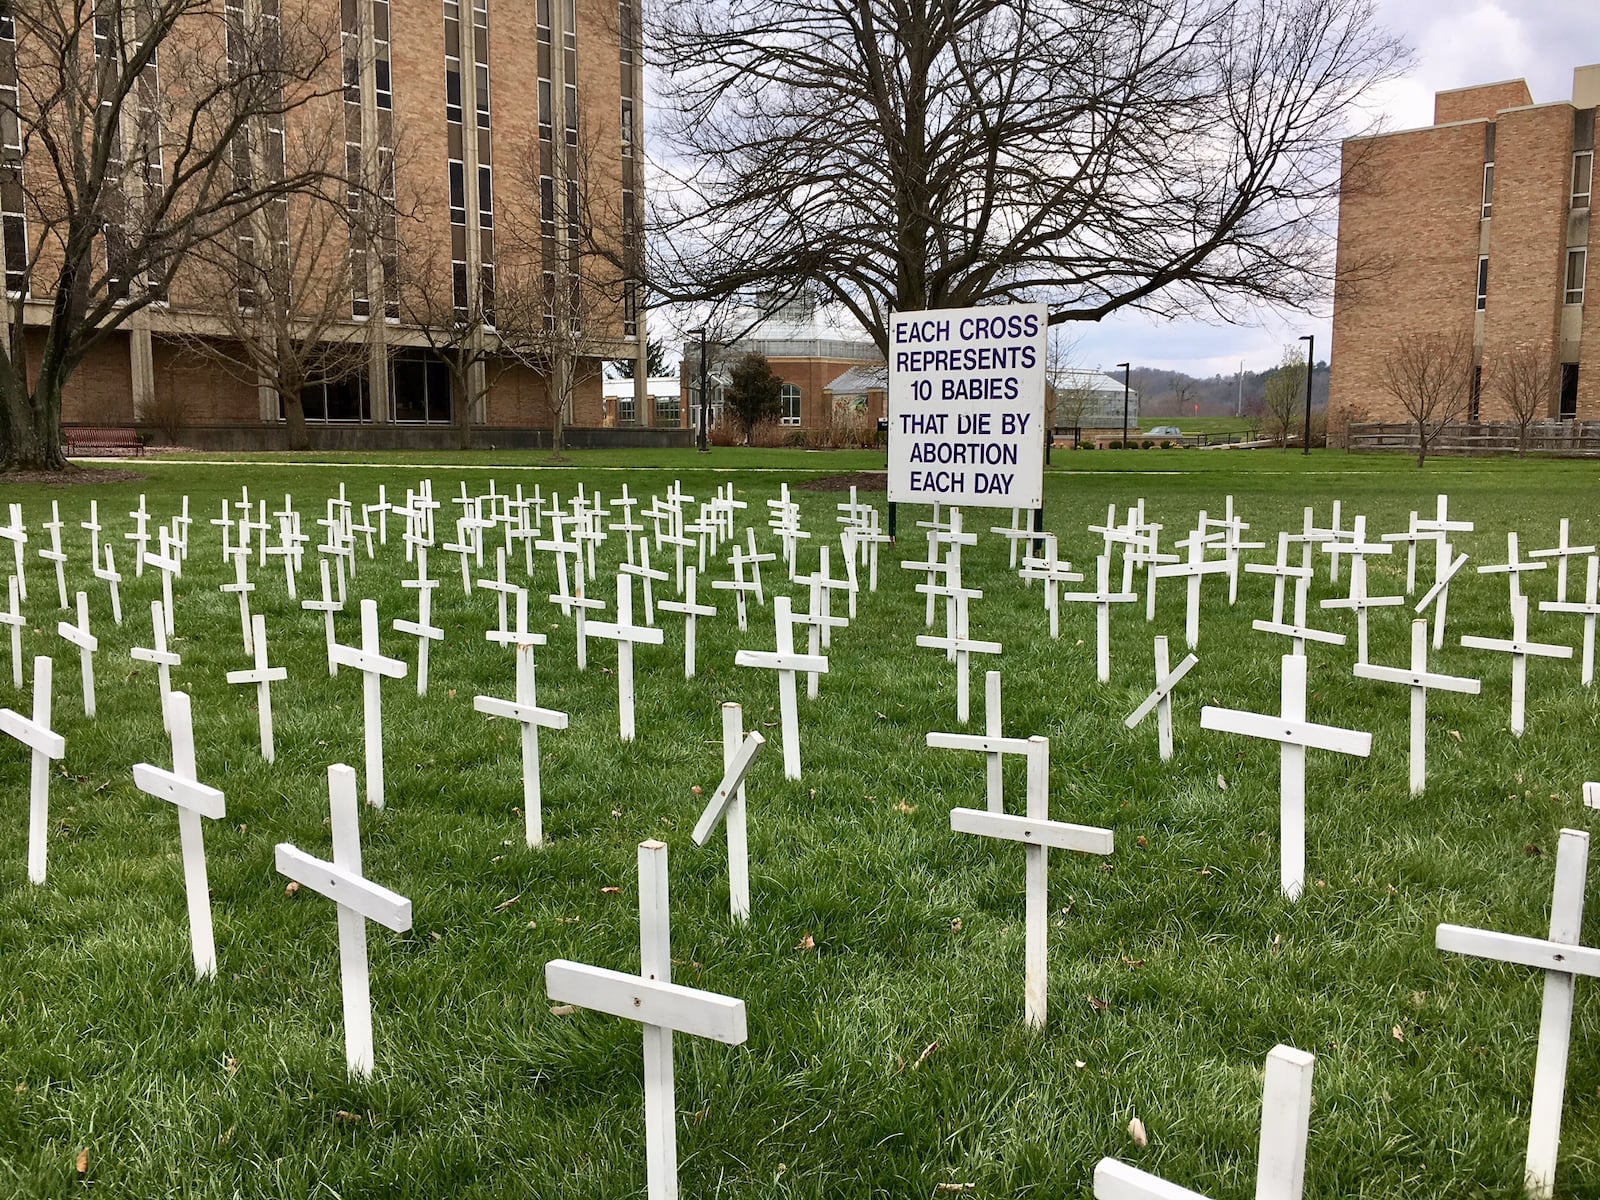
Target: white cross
pixel 822 585
pixel 786 662
pixel 1359 600
pixel 727 804
pixel 359 900
pixel 109 575
pixel 1411 537
pixel 1037 833
pixel 171 567
pixel 520 633
pixel 499 586
pixel 755 558
pixel 263 676
pixel 1332 534
pixel 625 633
pixel 1194 568
pixel 1161 698
pixel 162 658
pixel 180 526
pixel 17 534
pixel 1442 527
pixel 691 611
pixel 1520 649
pixel 45 745
pixel 1439 594
pixel 561 548
pixel 14 619
pixel 140 537
pixel 193 800
pixel 327 606
pixel 1054 572
pixel 242 587
pixel 1285 1125
pixel 87 644
pixel 961 647
pixel 423 628
pixel 662 1007
pixel 579 605
pixel 1280 571
pixel 1561 552
pixel 991 743
pixel 54 554
pixel 643 572
pixel 869 538
pixel 1294 734
pixel 1513 568
pixel 1232 529
pixel 1015 533
pixel 93 526
pixel 738 585
pixel 1419 680
pixel 374 668
pixel 1102 598
pixel 462 546
pixel 1299 629
pixel 525 709
pixel 1562 958
pixel 1589 608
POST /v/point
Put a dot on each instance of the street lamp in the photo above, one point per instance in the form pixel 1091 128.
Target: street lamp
pixel 1126 369
pixel 1311 352
pixel 703 440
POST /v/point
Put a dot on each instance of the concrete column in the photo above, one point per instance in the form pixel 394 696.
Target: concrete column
pixel 377 323
pixel 141 364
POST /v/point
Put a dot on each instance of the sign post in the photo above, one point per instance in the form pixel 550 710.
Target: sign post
pixel 966 406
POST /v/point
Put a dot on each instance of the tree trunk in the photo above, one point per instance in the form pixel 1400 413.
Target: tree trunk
pixel 33 428
pixel 1422 442
pixel 294 420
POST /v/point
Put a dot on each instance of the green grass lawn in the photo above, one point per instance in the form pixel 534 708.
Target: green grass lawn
pixel 889 1057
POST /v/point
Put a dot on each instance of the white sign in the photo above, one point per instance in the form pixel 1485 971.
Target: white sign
pixel 966 406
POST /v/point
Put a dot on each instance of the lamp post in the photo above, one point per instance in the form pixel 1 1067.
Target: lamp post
pixel 1311 352
pixel 703 438
pixel 1126 369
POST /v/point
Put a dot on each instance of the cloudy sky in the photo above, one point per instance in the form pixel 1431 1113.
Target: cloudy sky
pixel 1456 43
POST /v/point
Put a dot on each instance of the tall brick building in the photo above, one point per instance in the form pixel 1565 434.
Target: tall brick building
pixel 1480 224
pixel 505 131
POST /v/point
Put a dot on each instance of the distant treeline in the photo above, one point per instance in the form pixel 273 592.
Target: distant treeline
pixel 1174 394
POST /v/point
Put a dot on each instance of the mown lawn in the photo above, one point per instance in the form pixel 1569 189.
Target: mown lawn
pixel 891 1056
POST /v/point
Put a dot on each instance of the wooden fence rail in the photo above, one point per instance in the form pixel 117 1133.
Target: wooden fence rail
pixel 1546 439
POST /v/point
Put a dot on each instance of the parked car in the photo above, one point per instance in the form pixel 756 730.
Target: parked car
pixel 1166 431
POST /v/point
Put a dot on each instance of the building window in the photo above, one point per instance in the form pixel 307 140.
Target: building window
pixel 789 404
pixel 627 409
pixel 1569 391
pixel 1488 189
pixel 669 410
pixel 1577 260
pixel 1582 178
pixel 1483 281
pixel 335 400
pixel 420 388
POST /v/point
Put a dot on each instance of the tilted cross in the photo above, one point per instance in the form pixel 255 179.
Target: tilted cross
pixel 1161 698
pixel 1438 596
pixel 727 804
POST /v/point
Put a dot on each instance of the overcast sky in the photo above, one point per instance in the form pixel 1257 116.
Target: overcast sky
pixel 1456 43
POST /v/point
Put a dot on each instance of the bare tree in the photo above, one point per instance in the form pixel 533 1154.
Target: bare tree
pixel 1169 155
pixel 1285 394
pixel 125 116
pixel 1522 380
pixel 1430 374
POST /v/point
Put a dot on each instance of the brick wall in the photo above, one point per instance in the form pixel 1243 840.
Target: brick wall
pixel 1479 103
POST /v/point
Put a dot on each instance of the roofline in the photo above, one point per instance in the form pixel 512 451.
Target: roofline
pixel 1472 87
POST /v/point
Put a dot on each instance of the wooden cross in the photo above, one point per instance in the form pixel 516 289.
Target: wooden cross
pixel 738 585
pixel 1285 1129
pixel 1299 629
pixel 423 628
pixel 727 804
pixel 1513 568
pixel 462 547
pixel 242 587
pixel 1419 679
pixel 1359 600
pixel 13 618
pixel 786 662
pixel 1102 598
pixel 44 744
pixel 626 526
pixel 1561 552
pixel 87 644
pixel 17 534
pixel 1439 594
pixel 1294 734
pixel 1054 572
pixel 54 554
pixel 562 549
pixel 822 585
pixel 1331 534
pixel 1520 649
pixel 1411 537
pixel 691 611
pixel 643 572
pixel 869 538
pixel 961 647
pixel 374 669
pixel 755 558
pixel 1233 543
pixel 525 709
pixel 180 528
pixel 1588 607
pixel 359 900
pixel 1194 568
pixel 109 575
pixel 662 1007
pixel 93 526
pixel 580 605
pixel 1563 958
pixel 193 800
pixel 162 658
pixel 1015 533
pixel 1281 572
pixel 625 633
pixel 140 537
pixel 327 606
pixel 263 676
pixel 1442 527
pixel 991 743
pixel 1161 699
pixel 520 633
pixel 499 587
pixel 1037 833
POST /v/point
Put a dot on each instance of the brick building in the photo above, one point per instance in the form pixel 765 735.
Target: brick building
pixel 466 113
pixel 1480 224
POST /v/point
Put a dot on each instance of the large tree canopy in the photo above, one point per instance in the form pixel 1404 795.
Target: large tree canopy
pixel 905 154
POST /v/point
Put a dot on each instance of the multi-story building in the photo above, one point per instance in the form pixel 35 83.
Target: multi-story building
pixel 500 135
pixel 1477 224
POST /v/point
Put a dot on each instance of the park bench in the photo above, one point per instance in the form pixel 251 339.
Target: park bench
pixel 89 440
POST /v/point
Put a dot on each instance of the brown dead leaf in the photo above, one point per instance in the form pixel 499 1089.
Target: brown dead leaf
pixel 1098 1004
pixel 294 886
pixel 700 1117
pixel 1398 1034
pixel 1136 1131
pixel 1133 964
pixel 345 1117
pixel 505 904
pixel 955 1187
pixel 1142 841
pixel 83 1161
pixel 232 1065
pixel 806 943
pixel 1532 851
pixel 904 808
pixel 1456 733
pixel 610 891
pixel 452 693
pixel 563 1010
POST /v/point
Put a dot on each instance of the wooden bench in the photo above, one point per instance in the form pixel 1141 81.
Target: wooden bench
pixel 90 440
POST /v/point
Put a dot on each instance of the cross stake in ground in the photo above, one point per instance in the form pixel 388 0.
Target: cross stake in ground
pixel 786 663
pixel 162 658
pixel 1161 698
pixel 1520 649
pixel 1588 608
pixel 1294 734
pixel 359 901
pixel 374 669
pixel 1419 679
pixel 525 708
pixel 263 676
pixel 1562 959
pixel 193 800
pixel 625 633
pixel 1037 833
pixel 691 610
pixel 661 1006
pixel 87 644
pixel 727 805
pixel 44 745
